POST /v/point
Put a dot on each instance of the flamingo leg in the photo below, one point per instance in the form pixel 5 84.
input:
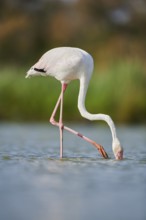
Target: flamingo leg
pixel 60 123
pixel 61 126
pixel 64 86
pixel 98 146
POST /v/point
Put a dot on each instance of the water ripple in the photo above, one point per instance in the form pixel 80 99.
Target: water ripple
pixel 36 184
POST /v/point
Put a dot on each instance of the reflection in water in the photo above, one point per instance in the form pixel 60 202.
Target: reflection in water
pixel 36 185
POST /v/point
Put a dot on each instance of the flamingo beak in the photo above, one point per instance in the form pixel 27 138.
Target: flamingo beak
pixel 119 155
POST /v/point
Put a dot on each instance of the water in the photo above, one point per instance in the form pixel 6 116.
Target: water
pixel 36 185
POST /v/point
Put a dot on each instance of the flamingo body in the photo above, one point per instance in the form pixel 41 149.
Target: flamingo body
pixel 64 63
pixel 67 64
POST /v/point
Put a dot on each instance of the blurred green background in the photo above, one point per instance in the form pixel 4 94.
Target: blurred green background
pixel 113 31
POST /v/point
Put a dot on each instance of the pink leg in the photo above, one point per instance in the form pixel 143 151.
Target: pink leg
pixel 98 146
pixel 61 126
pixel 60 123
pixel 64 86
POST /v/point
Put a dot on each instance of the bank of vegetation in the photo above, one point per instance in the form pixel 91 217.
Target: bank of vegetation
pixel 112 31
pixel 118 90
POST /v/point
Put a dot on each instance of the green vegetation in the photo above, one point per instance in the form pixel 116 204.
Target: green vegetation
pixel 119 90
pixel 112 31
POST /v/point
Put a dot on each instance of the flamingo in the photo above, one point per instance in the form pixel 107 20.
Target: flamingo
pixel 67 64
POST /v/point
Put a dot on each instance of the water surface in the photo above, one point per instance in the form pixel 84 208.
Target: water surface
pixel 36 185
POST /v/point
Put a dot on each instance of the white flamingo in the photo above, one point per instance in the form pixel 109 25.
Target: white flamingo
pixel 67 64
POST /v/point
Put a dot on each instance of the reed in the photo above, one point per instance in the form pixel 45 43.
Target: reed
pixel 118 90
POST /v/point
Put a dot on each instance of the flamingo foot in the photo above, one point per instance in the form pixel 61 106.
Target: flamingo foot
pixel 101 150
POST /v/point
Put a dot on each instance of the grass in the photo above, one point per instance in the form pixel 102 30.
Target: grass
pixel 118 91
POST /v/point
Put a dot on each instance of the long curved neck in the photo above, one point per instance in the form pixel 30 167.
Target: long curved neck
pixel 84 82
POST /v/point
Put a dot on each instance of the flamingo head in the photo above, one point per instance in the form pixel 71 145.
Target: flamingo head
pixel 117 149
pixel 35 72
